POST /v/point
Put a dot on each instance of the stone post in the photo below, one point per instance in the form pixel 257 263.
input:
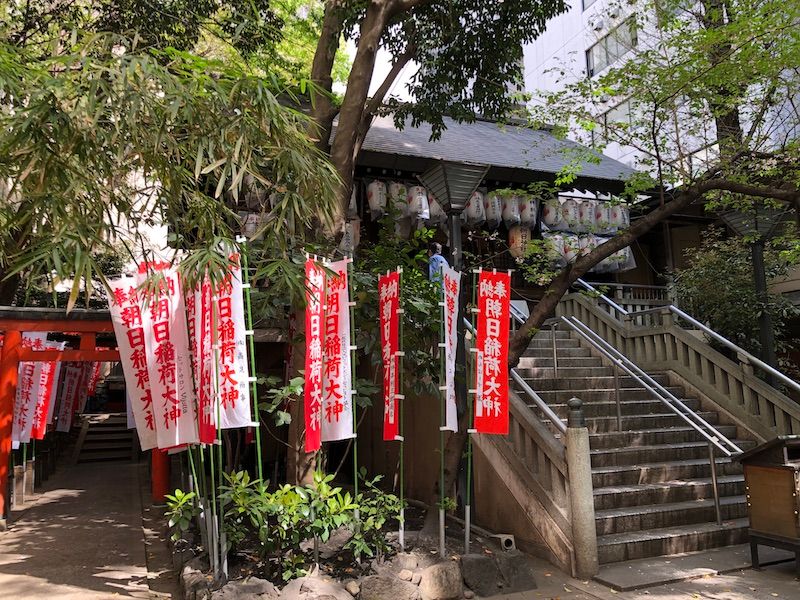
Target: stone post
pixel 584 534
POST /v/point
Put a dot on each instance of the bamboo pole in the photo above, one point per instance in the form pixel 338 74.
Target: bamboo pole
pixel 401 395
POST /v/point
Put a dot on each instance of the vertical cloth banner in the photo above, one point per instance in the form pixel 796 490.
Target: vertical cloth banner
pixel 234 392
pixel 312 393
pixel 83 387
pixel 337 386
pixel 126 316
pixel 166 343
pixel 451 287
pixel 491 372
pixel 69 396
pixel 388 305
pixel 27 390
pixel 198 319
pixel 55 387
pixel 48 377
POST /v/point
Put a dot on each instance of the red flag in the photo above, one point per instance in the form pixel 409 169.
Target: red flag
pixel 315 300
pixel 389 303
pixel 491 372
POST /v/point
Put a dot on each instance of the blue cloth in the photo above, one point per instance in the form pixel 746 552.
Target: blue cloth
pixel 435 265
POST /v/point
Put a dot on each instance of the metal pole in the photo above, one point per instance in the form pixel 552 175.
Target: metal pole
pixel 470 422
pixel 766 334
pixel 442 412
pixel 714 483
pixel 454 228
pixel 616 397
pixel 555 350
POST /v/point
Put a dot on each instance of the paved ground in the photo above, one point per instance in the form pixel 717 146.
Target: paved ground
pixel 82 539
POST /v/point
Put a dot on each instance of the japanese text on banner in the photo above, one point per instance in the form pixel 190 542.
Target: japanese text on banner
pixel 491 373
pixel 315 298
pixel 27 390
pixel 126 316
pixel 451 286
pixel 47 381
pixel 337 400
pixel 198 319
pixel 69 396
pixel 388 305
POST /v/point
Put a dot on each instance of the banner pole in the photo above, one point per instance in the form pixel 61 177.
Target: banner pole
pixel 470 409
pixel 353 360
pixel 252 353
pixel 442 417
pixel 216 482
pixel 24 470
pixel 402 528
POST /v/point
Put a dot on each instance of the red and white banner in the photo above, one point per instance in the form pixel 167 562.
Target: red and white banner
pixel 312 392
pixel 337 399
pixel 389 305
pixel 48 378
pixel 94 378
pixel 83 387
pixel 491 372
pixel 27 390
pixel 198 318
pixel 451 286
pixel 166 343
pixel 55 388
pixel 232 371
pixel 69 395
pixel 126 315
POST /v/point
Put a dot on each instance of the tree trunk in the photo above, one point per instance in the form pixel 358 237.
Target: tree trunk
pixel 321 74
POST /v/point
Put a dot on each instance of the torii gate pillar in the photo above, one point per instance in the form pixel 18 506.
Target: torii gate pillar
pixel 9 367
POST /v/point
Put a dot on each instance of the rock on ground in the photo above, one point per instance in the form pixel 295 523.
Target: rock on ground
pixel 250 588
pixel 405 575
pixel 387 587
pixel 441 581
pixel 314 588
pixel 352 587
pixel 517 570
pixel 480 573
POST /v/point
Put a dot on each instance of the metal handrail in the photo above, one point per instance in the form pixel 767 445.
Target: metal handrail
pixel 705 329
pixel 537 400
pixel 668 399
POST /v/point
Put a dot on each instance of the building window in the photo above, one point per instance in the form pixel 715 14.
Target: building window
pixel 619 116
pixel 588 3
pixel 612 47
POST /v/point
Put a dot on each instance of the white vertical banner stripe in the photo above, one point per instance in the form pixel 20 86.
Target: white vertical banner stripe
pixel 234 393
pixel 69 394
pixel 55 387
pixel 451 287
pixel 126 315
pixel 166 342
pixel 337 400
pixel 27 390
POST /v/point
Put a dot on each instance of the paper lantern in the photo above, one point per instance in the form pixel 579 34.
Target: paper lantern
pixel 620 216
pixel 528 210
pixel 475 213
pixel 493 209
pixel 511 214
pixel 602 217
pixel 571 247
pixel 551 213
pixel 437 214
pixel 398 196
pixel 351 236
pixel 518 239
pixel 418 205
pixel 588 243
pixel 586 215
pixel 403 227
pixel 570 214
pixel 376 198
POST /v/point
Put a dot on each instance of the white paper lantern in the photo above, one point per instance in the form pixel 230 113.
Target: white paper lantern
pixel 403 227
pixel 528 210
pixel 551 213
pixel 602 217
pixel 570 213
pixel 418 205
pixel 518 239
pixel 620 216
pixel 511 214
pixel 376 198
pixel 588 243
pixel 437 214
pixel 571 247
pixel 586 215
pixel 475 213
pixel 398 196
pixel 493 209
pixel 351 236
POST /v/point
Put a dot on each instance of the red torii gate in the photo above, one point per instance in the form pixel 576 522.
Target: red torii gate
pixel 81 322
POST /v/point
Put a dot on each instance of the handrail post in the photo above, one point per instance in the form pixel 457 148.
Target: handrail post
pixel 616 397
pixel 579 472
pixel 714 484
pixel 555 350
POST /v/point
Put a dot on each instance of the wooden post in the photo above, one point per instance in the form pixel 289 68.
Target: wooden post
pixel 159 475
pixel 9 367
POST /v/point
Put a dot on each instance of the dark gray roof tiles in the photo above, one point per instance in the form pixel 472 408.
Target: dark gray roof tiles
pixel 489 143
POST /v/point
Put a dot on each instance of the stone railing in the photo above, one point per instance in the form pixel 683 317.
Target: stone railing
pixel 657 343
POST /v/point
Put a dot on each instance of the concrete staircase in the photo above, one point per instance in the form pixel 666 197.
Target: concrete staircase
pixel 652 481
pixel 105 437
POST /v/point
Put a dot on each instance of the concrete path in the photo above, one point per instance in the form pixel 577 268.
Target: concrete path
pixel 82 539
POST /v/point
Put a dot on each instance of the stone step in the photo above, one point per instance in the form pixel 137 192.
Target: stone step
pixel 548 334
pixel 539 342
pixel 543 352
pixel 670 540
pixel 608 408
pixel 641 494
pixel 531 362
pixel 536 373
pixel 657 516
pixel 653 437
pixel 657 472
pixel 103 435
pixel 589 383
pixel 601 394
pixel 639 422
pixel 108 455
pixel 605 457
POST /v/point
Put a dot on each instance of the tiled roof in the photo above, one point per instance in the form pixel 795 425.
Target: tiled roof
pixel 493 144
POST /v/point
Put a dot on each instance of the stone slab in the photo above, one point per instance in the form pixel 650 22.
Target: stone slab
pixel 649 572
